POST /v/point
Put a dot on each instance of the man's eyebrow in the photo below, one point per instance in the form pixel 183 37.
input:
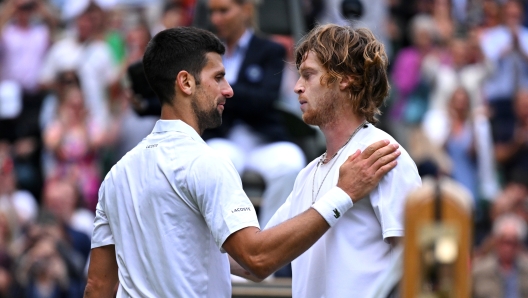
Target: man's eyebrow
pixel 305 68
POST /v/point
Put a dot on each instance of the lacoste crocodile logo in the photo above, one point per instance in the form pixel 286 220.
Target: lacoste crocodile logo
pixel 336 213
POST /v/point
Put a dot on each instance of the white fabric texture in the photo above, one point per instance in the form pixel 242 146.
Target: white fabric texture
pixel 349 258
pixel 168 206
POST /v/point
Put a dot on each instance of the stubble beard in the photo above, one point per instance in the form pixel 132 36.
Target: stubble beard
pixel 326 111
pixel 206 118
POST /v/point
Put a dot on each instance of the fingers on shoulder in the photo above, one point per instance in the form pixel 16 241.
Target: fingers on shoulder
pixel 369 151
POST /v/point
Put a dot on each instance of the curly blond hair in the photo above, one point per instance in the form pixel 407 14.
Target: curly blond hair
pixel 345 51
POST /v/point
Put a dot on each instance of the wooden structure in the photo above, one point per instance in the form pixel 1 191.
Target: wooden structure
pixel 437 243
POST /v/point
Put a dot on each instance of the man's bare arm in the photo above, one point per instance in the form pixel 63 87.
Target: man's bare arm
pixel 263 252
pixel 237 270
pixel 102 272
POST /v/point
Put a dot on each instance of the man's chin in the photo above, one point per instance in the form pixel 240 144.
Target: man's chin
pixel 309 119
pixel 218 124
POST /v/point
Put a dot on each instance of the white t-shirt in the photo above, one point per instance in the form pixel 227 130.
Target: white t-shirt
pixel 348 259
pixel 168 206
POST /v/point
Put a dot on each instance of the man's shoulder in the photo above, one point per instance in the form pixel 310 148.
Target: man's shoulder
pixel 373 134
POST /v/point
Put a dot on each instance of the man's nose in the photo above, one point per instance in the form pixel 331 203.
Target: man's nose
pixel 298 88
pixel 227 91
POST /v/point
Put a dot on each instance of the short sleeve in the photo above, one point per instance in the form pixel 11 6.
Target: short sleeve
pixel 102 235
pixel 388 199
pixel 216 187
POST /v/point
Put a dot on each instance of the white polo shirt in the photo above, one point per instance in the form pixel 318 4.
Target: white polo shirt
pixel 168 206
pixel 352 255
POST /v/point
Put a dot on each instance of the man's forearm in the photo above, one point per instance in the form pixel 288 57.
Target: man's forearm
pixel 102 273
pixel 237 270
pixel 98 291
pixel 264 252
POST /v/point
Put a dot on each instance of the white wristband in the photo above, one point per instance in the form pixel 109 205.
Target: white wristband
pixel 333 205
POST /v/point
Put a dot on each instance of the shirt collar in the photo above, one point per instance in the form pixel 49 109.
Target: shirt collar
pixel 176 125
pixel 243 42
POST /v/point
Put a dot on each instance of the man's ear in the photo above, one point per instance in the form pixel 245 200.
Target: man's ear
pixel 185 82
pixel 345 82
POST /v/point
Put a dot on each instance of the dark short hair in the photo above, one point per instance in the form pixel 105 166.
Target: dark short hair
pixel 174 50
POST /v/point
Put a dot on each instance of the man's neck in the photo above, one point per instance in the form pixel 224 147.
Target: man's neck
pixel 232 41
pixel 168 112
pixel 338 132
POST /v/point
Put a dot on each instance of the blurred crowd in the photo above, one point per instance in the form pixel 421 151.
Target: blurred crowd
pixel 68 112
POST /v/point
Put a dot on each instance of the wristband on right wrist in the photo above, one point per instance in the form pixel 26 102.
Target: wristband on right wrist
pixel 333 205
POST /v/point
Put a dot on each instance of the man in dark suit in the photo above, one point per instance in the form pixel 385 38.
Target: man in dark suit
pixel 252 134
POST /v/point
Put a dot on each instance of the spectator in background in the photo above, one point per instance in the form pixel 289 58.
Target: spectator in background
pixel 252 134
pixel 489 17
pixel 506 46
pixel 25 33
pixel 512 199
pixel 461 143
pixel 372 14
pixel 137 38
pixel 442 15
pixel 448 82
pixel 43 273
pixel 410 91
pixel 455 71
pixel 504 272
pixel 26 27
pixel 74 138
pixel 64 81
pixel 52 260
pixel 19 206
pixel 174 14
pixel 6 259
pixel 87 55
pixel 62 198
pixel 511 147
